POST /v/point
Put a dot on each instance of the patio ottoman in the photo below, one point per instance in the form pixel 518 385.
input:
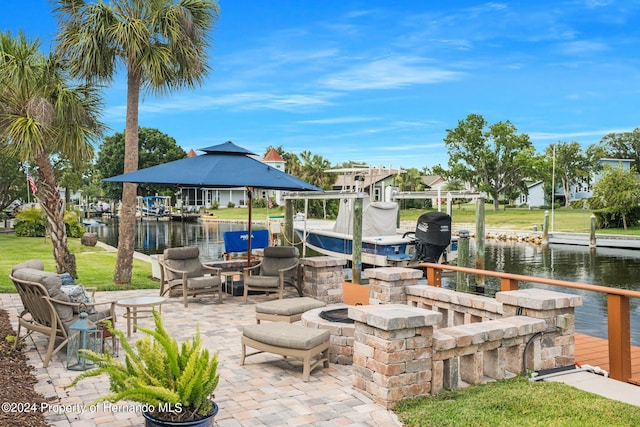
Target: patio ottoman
pixel 286 310
pixel 290 340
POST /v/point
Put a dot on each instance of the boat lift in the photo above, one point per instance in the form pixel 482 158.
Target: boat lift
pixel 358 197
pixel 356 250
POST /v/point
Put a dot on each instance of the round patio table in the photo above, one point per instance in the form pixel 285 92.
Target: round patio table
pixel 137 305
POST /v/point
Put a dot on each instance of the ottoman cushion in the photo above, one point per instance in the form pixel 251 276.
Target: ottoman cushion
pixel 286 335
pixel 289 306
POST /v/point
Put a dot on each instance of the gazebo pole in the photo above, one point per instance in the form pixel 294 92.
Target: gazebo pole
pixel 249 197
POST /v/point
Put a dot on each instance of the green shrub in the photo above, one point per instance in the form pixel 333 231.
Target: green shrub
pixel 259 203
pixel 30 222
pixel 231 204
pixel 73 225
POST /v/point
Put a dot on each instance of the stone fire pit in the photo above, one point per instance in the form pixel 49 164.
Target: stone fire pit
pixel 341 339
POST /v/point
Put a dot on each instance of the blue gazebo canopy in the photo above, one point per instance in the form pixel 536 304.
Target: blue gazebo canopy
pixel 221 166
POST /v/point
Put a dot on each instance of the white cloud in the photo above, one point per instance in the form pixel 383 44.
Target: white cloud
pixel 561 136
pixel 582 47
pixel 338 120
pixel 389 73
pixel 235 101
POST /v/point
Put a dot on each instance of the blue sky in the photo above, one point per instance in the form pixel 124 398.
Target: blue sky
pixel 380 82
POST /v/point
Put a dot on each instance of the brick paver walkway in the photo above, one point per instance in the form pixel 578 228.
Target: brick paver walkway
pixel 266 391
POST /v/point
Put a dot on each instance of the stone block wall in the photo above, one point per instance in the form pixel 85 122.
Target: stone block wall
pixel 457 308
pixel 392 351
pixel 322 278
pixel 467 354
pixel 557 345
pixel 387 285
pixel 436 338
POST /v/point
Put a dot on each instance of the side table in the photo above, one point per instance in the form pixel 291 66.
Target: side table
pixel 137 305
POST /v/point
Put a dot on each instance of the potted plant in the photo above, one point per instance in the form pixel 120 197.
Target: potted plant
pixel 174 384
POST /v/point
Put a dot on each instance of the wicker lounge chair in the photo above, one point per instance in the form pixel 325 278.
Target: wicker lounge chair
pixel 47 309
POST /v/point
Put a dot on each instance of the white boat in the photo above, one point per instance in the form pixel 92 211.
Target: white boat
pixel 92 222
pixel 154 206
pixel 382 243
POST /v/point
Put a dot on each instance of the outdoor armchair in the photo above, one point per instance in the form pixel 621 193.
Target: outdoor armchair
pixel 182 273
pixel 48 310
pixel 278 267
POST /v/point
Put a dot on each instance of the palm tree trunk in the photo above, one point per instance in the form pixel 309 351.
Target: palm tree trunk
pixel 53 207
pixel 127 225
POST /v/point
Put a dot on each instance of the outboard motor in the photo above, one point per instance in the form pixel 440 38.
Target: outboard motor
pixel 433 235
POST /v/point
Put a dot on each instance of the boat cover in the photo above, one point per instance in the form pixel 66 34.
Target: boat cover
pixel 378 218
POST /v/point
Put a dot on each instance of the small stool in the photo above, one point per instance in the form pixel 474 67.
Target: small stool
pixel 286 339
pixel 286 310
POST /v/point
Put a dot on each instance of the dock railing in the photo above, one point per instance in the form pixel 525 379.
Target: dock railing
pixel 618 308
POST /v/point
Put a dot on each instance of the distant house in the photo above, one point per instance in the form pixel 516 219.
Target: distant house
pixel 204 197
pixel 375 181
pixel 578 191
pixel 378 182
pixel 434 182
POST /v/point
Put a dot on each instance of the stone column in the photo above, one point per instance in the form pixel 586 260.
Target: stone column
pixel 322 278
pixel 387 284
pixel 392 355
pixel 555 347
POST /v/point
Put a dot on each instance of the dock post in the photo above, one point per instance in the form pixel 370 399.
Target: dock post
pixel 619 333
pixel 463 259
pixel 356 246
pixel 289 235
pixel 545 229
pixel 480 239
pixel 592 234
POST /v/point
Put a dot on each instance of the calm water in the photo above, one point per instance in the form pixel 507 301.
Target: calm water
pixel 153 237
pixel 606 267
pixel 619 268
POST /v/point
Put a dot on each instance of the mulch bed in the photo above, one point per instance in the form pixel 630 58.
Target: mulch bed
pixel 20 403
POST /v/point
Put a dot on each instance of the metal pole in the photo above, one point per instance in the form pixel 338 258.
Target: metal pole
pixel 249 228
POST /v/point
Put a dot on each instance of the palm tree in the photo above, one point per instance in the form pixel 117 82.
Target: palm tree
pixel 163 46
pixel 43 116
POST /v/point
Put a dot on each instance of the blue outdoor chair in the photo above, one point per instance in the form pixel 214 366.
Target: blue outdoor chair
pixel 235 242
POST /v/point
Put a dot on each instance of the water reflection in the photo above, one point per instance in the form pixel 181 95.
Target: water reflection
pixel 153 237
pixel 618 268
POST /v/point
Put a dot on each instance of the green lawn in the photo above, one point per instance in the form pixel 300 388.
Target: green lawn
pixel 569 220
pixel 95 265
pixel 517 402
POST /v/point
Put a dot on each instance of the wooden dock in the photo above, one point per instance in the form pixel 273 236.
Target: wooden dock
pixel 595 352
pixel 602 240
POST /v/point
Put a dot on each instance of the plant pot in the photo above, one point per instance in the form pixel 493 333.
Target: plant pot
pixel 353 294
pixel 206 421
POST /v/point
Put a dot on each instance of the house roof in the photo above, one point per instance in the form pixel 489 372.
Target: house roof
pixel 368 176
pixel 273 156
pixel 432 180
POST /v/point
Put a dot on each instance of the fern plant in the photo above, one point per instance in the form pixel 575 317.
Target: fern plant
pixel 174 383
